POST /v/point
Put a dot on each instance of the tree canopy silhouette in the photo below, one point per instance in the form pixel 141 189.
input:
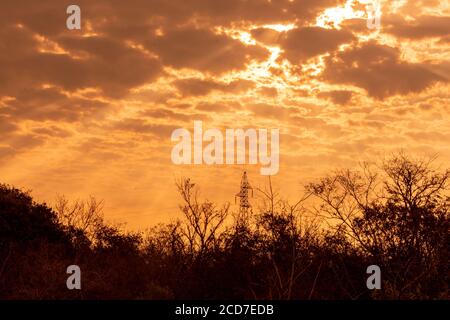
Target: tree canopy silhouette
pixel 394 215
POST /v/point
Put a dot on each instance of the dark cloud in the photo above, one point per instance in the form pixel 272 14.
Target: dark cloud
pixel 204 50
pixel 161 113
pixel 262 11
pixel 218 106
pixel 7 126
pixel 41 104
pixel 209 13
pixel 182 106
pixel 367 124
pixel 308 122
pixel 52 131
pixel 270 111
pixel 201 87
pixel 106 64
pixel 44 17
pixel 267 36
pixel 355 25
pixel 419 28
pixel 378 69
pixel 304 43
pixel 165 114
pixel 104 60
pixel 268 92
pixel 337 97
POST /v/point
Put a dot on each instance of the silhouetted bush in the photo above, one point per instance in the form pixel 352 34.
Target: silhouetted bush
pixel 396 217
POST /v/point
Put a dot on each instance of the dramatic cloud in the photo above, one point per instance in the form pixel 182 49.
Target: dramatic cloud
pixel 200 87
pixel 420 27
pixel 380 70
pixel 267 36
pixel 204 50
pixel 89 62
pixel 304 43
pixel 51 104
pixel 338 97
pixel 91 111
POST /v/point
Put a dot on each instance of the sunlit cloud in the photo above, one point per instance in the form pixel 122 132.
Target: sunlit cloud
pixel 84 110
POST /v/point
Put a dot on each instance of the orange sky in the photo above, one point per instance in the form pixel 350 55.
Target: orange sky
pixel 91 112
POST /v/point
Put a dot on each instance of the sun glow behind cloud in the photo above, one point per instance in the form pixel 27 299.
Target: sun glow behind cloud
pixel 262 72
pixel 333 17
pixel 280 27
pixel 98 107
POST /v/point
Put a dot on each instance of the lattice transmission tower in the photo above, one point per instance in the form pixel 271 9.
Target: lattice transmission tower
pixel 245 207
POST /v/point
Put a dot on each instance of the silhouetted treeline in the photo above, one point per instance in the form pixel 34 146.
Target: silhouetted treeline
pixel 395 215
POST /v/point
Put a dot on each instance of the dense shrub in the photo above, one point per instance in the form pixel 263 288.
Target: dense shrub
pixel 396 218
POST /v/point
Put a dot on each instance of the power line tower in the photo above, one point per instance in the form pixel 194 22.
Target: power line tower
pixel 244 205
